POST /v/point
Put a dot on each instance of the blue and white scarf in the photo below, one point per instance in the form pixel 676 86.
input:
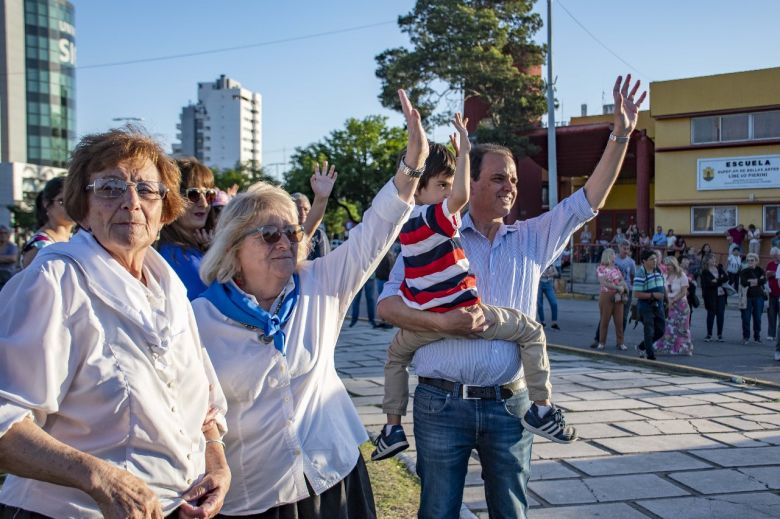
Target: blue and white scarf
pixel 241 307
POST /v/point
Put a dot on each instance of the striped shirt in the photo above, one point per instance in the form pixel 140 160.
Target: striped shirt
pixel 508 271
pixel 436 270
pixel 648 282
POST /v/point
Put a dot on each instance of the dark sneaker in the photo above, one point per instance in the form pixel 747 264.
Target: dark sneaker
pixel 708 338
pixel 552 426
pixel 388 445
pixel 555 326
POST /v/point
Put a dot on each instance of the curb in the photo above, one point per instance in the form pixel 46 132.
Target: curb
pixel 622 359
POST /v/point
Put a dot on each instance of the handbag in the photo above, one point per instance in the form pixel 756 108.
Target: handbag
pixel 617 298
pixel 730 290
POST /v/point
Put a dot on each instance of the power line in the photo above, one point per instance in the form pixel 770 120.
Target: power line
pixel 237 47
pixel 629 65
pixel 227 49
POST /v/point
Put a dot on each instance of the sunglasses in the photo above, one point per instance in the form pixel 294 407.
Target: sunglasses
pixel 193 194
pixel 116 187
pixel 272 233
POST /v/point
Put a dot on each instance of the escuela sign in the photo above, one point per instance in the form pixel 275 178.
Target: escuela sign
pixel 755 172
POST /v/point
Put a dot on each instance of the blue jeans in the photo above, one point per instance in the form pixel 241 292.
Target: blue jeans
pixel 447 428
pixel 370 290
pixel 755 307
pixel 546 288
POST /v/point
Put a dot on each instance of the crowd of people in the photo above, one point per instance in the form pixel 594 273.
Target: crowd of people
pixel 162 357
pixel 664 292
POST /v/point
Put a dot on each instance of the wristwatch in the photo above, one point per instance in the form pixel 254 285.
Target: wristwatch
pixel 406 170
pixel 621 140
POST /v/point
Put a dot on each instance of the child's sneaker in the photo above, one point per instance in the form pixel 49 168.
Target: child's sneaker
pixel 552 426
pixel 388 445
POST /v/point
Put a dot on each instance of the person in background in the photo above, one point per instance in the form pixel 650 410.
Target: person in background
pixel 619 237
pixel 659 238
pixel 680 248
pixel 310 216
pixel 382 275
pixel 9 256
pixel 676 339
pixel 547 289
pixel 754 239
pixel 733 266
pixel 184 241
pixel 632 235
pixel 694 263
pixel 649 289
pixel 685 265
pixel 586 238
pixel 219 203
pixel 54 224
pixel 627 267
pixel 612 294
pixel 109 405
pixel 776 240
pixel 752 280
pixel 773 309
pixel 713 278
pixel 706 250
pixel 671 243
pixel 737 235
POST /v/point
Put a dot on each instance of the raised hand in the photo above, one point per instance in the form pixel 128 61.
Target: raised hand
pixel 464 146
pixel 323 179
pixel 454 143
pixel 417 147
pixel 626 108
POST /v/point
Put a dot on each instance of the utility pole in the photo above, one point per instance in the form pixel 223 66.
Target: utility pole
pixel 552 166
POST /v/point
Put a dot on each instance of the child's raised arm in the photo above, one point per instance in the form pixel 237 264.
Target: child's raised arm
pixel 462 182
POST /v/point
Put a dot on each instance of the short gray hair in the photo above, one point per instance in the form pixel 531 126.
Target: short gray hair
pixel 241 214
pixel 300 196
pixel 774 250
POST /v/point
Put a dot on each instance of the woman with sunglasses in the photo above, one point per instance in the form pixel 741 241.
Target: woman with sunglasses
pixel 184 241
pixel 270 321
pixel 109 405
pixel 54 224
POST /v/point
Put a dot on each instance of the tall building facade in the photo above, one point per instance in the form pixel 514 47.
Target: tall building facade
pixel 37 96
pixel 224 127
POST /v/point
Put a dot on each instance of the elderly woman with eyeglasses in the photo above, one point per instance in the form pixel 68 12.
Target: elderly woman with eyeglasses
pixel 184 241
pixel 752 280
pixel 270 321
pixel 109 405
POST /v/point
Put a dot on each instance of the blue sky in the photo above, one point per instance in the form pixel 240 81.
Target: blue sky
pixel 311 86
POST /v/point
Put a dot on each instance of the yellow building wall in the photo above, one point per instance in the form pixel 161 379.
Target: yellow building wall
pixel 623 197
pixel 721 92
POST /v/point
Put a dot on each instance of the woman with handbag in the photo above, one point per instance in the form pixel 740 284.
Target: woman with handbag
pixel 714 281
pixel 752 280
pixel 611 303
pixel 677 333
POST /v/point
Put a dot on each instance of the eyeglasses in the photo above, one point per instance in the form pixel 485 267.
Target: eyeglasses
pixel 116 188
pixel 272 233
pixel 193 194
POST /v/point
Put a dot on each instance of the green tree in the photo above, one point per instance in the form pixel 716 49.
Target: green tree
pixel 482 48
pixel 243 175
pixel 364 152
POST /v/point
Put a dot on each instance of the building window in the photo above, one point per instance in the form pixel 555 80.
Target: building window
pixel 771 218
pixel 736 127
pixel 713 219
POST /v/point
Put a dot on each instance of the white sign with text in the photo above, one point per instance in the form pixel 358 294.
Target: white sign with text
pixel 755 172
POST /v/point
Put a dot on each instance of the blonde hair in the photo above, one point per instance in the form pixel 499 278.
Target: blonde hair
pixel 752 255
pixel 242 214
pixel 607 257
pixel 672 267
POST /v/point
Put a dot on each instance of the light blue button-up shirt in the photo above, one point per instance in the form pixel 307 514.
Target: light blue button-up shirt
pixel 508 272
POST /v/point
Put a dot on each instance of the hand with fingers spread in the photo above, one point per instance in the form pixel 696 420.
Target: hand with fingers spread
pixel 204 237
pixel 626 106
pixel 460 123
pixel 323 179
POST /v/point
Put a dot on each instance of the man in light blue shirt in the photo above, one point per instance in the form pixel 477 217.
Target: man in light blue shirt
pixel 659 238
pixel 508 261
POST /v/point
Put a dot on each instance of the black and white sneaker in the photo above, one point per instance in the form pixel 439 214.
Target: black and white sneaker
pixel 552 426
pixel 388 445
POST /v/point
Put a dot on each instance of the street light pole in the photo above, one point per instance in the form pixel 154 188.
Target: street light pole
pixel 552 166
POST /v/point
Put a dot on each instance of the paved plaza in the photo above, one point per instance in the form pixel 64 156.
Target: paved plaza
pixel 654 444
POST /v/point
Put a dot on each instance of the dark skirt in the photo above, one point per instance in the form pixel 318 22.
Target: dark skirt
pixel 350 498
pixel 12 512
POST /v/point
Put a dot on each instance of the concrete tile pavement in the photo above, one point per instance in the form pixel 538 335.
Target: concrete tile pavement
pixel 654 444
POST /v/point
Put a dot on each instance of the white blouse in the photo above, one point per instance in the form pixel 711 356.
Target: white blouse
pixel 290 418
pixel 108 366
pixel 675 285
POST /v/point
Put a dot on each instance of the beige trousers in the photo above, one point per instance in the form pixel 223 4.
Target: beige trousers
pixel 507 324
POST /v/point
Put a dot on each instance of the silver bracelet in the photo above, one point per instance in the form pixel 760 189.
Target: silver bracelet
pixel 619 139
pixel 216 441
